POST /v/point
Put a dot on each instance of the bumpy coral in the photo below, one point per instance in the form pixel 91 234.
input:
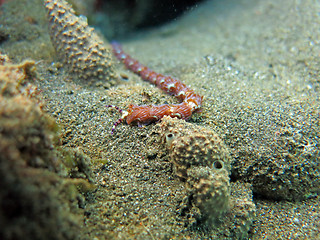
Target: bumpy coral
pixel 191 145
pixel 200 159
pixel 80 48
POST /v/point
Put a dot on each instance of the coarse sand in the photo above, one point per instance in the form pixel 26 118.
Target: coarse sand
pixel 257 64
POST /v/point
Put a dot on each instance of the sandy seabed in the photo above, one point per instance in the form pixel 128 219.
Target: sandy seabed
pixel 257 64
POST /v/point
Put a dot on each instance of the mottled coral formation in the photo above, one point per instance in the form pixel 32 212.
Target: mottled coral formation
pixel 200 159
pixel 78 45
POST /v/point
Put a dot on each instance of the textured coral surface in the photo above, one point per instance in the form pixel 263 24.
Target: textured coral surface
pixel 200 159
pixel 85 54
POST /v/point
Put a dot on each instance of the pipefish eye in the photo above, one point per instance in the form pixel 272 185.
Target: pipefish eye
pixel 169 138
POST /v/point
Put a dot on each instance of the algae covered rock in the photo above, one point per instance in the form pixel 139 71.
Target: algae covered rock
pixel 280 156
pixel 37 200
